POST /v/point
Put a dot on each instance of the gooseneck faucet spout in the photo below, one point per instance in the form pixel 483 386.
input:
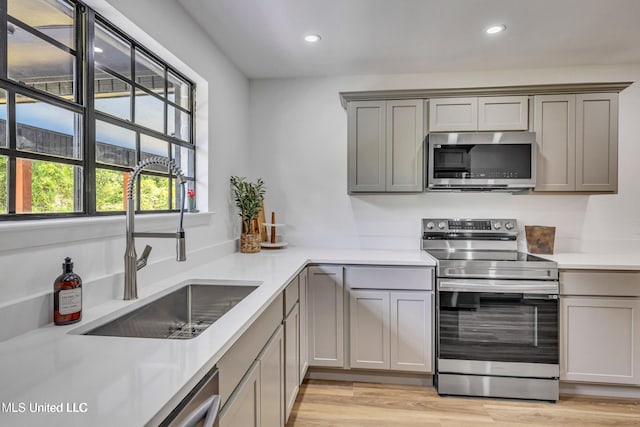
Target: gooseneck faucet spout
pixel 131 262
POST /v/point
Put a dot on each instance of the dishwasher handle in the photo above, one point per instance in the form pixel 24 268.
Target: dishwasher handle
pixel 207 411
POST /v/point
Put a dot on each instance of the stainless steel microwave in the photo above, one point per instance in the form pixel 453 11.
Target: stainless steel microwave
pixel 481 161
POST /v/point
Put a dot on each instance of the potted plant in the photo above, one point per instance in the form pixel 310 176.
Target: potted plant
pixel 191 200
pixel 248 196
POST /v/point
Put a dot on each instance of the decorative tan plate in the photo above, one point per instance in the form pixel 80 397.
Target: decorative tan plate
pixel 277 245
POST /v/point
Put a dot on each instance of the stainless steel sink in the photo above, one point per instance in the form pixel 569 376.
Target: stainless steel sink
pixel 182 314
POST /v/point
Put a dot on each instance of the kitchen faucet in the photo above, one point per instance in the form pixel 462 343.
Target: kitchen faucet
pixel 131 262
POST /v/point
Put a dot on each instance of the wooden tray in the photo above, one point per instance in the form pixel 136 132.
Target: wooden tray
pixel 540 239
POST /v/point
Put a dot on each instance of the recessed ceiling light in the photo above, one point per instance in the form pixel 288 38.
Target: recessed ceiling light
pixel 312 38
pixel 97 49
pixel 495 29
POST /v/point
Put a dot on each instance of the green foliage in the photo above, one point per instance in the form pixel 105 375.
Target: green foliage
pixel 51 187
pixel 247 196
pixel 109 190
pixel 154 193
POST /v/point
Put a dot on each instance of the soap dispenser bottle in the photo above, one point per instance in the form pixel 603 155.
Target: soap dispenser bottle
pixel 67 296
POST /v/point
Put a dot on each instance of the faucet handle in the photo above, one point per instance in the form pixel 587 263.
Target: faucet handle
pixel 142 261
pixel 181 252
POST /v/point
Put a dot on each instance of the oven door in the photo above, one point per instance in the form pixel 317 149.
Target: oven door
pixel 498 327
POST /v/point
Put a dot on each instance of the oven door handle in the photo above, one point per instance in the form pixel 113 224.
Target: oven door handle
pixel 503 286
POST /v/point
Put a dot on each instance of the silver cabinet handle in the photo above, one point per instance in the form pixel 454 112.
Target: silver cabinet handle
pixel 207 411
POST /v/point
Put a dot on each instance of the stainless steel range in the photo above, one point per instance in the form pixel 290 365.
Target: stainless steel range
pixel 497 311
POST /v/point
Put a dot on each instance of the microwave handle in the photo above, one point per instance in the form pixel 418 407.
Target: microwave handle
pixel 207 411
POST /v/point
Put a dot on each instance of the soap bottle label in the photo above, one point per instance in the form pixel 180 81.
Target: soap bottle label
pixel 70 301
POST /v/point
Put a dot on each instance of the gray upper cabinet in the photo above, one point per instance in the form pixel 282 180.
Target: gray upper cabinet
pixel 577 139
pixel 503 113
pixel 385 141
pixel 487 113
pixel 367 146
pixel 453 114
pixel 555 120
pixel 597 142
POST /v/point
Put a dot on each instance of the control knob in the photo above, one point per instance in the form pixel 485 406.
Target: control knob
pixel 497 226
pixel 430 225
pixel 508 226
pixel 442 225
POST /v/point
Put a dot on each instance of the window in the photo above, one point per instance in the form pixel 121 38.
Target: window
pixel 79 109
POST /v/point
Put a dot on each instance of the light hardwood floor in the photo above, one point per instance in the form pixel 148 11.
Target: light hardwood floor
pixel 331 403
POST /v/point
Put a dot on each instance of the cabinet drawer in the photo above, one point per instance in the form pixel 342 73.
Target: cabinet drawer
pixel 600 283
pixel 291 295
pixel 406 278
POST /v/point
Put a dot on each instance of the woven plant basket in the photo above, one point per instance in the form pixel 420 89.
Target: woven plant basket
pixel 249 243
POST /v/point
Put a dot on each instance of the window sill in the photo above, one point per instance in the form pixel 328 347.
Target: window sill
pixel 31 234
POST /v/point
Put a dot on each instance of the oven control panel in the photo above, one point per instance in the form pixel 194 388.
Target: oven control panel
pixel 468 225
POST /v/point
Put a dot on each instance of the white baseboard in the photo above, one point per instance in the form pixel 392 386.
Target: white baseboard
pixel 604 390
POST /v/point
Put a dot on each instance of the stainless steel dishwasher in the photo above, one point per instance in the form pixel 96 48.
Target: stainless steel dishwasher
pixel 200 407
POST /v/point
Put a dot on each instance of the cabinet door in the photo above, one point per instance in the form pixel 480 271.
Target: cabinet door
pixel 304 345
pixel 453 114
pixel 325 316
pixel 597 142
pixel 411 331
pixel 272 382
pixel 555 123
pixel 600 340
pixel 366 140
pixel 404 142
pixel 503 113
pixel 292 358
pixel 243 407
pixel 369 320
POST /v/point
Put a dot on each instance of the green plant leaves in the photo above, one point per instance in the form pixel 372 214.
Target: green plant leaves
pixel 247 196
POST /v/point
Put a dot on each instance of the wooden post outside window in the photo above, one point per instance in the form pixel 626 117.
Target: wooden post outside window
pixel 23 186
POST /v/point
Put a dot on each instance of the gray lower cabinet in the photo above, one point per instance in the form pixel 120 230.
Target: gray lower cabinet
pixel 577 139
pixel 411 327
pixel 601 339
pixel 369 329
pixel 292 358
pixel 391 330
pixel 272 382
pixel 325 311
pixel 258 399
pixel 600 326
pixel 385 140
pixel 244 406
pixel 304 343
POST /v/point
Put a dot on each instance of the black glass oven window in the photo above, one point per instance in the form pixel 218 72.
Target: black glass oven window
pixel 498 327
pixel 482 161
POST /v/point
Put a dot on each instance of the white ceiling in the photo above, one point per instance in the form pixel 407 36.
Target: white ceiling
pixel 264 37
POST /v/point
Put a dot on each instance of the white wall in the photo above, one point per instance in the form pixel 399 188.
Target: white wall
pixel 299 132
pixel 31 253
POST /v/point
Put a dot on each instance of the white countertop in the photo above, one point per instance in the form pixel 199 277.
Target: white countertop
pixel 596 261
pixel 125 381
